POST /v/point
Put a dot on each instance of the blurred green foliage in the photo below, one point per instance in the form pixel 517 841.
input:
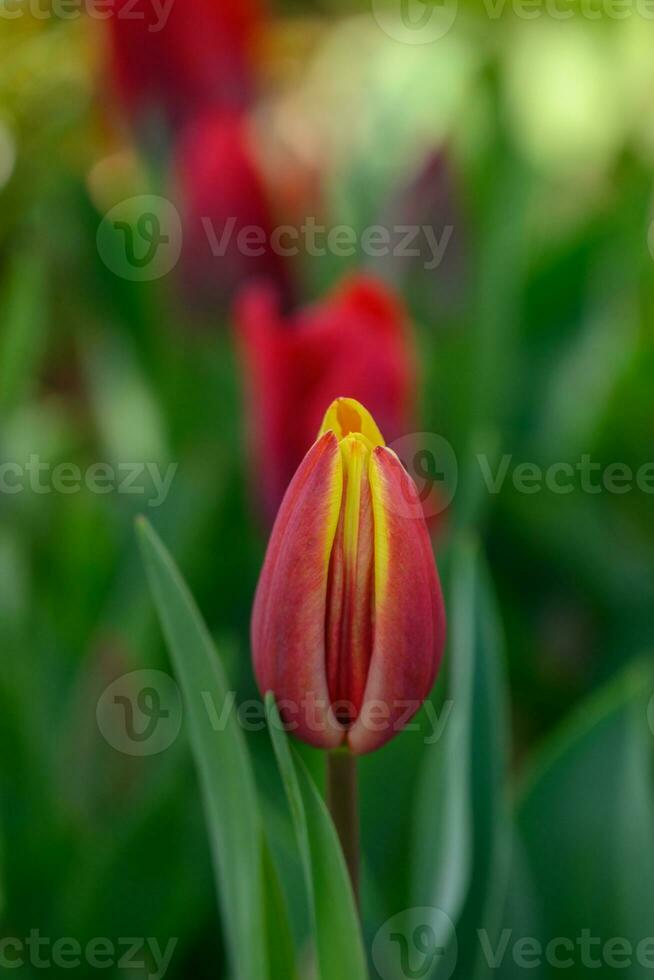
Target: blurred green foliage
pixel 534 811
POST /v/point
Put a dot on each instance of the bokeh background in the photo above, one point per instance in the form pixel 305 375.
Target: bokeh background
pixel 528 141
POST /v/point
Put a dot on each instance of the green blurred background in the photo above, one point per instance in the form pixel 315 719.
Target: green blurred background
pixel 534 812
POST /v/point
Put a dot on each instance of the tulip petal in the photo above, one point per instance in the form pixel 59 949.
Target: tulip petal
pixel 288 623
pixel 409 615
pixel 349 602
pixel 346 416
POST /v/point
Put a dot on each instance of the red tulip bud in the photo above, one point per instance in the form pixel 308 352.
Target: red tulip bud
pixel 358 339
pixel 348 625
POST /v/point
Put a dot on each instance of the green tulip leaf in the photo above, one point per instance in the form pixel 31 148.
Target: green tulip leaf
pixel 222 761
pixel 462 834
pixel 279 939
pixel 337 933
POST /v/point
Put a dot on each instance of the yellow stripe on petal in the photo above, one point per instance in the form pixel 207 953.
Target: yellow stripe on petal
pixel 409 618
pixel 346 416
pixel 380 531
pixel 349 604
pixel 355 455
pixel 334 504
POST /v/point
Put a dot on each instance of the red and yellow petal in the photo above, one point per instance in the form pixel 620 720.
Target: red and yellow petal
pixel 288 623
pixel 349 599
pixel 347 416
pixel 409 615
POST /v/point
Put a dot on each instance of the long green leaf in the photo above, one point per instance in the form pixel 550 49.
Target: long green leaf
pixel 461 859
pixel 337 933
pixel 491 811
pixel 443 838
pixel 222 761
pixel 279 939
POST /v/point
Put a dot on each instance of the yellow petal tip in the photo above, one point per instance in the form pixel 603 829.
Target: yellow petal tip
pixel 348 417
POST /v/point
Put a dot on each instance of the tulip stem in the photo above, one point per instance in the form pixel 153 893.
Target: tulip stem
pixel 343 803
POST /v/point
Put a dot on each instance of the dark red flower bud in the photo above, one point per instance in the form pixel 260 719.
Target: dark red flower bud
pixel 356 341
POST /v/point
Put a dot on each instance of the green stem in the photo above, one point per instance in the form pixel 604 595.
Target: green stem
pixel 343 803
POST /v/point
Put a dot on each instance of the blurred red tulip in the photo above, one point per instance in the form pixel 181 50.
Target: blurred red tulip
pixel 180 57
pixel 355 342
pixel 225 210
pixel 348 625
